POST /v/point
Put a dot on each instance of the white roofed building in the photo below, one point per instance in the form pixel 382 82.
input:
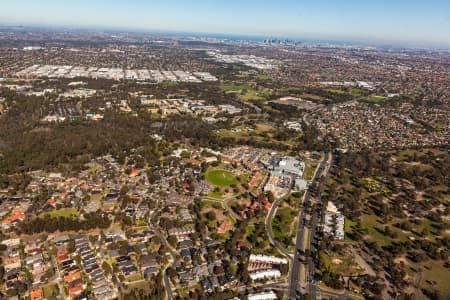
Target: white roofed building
pixel 263 296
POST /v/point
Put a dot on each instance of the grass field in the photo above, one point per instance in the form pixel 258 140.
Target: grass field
pixel 263 128
pixel 50 290
pixel 310 168
pixel 348 225
pixel 438 125
pixel 65 212
pixel 341 264
pixel 250 232
pixel 94 169
pixel 281 225
pixel 253 95
pixel 218 195
pixel 376 99
pixel 247 93
pixel 220 178
pixel 438 276
pixel 371 222
pixel 210 204
pixel 356 92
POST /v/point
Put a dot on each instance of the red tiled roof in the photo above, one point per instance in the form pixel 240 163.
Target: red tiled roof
pixel 135 172
pixel 15 216
pixel 75 291
pixel 36 294
pixel 72 277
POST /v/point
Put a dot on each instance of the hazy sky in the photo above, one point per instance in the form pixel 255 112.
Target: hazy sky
pixel 413 22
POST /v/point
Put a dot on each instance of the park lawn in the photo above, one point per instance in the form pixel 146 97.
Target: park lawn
pixel 281 224
pixel 261 132
pixel 218 195
pixel 348 227
pixel 295 199
pixel 64 212
pixel 94 169
pixel 310 168
pixel 438 125
pixel 342 264
pixel 254 95
pixel 438 274
pixel 276 229
pixel 220 178
pixel 356 92
pixel 263 128
pixel 429 226
pixel 377 99
pixel 50 290
pixel 371 222
pixel 250 232
pixel 247 93
pixel 209 203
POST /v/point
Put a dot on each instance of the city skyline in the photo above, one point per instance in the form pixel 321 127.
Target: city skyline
pixel 406 23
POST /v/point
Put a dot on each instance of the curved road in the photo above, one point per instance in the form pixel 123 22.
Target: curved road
pixel 269 231
pixel 174 256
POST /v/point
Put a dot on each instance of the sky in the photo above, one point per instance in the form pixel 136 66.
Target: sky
pixel 397 22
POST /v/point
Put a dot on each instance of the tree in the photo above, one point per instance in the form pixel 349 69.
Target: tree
pixel 107 268
pixel 172 240
pixel 211 215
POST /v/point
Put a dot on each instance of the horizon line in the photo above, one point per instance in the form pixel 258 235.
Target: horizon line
pixel 312 40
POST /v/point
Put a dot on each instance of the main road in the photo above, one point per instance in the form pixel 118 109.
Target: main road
pixel 315 220
pixel 302 240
